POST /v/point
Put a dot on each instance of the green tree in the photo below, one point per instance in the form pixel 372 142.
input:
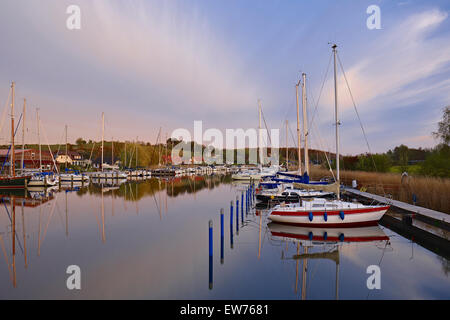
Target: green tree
pixel 437 163
pixel 443 132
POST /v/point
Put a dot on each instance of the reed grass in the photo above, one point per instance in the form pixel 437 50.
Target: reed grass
pixel 431 192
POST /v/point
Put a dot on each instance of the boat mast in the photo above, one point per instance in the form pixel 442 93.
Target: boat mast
pixel 287 146
pixel 305 123
pixel 336 117
pixel 12 164
pixel 103 135
pixel 298 132
pixel 137 152
pixel 23 134
pixel 67 153
pixel 112 151
pixel 259 134
pixel 39 140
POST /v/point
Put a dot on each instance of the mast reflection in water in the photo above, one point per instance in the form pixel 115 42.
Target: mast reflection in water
pixel 148 239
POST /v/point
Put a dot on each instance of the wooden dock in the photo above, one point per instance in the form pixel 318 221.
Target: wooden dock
pixel 433 217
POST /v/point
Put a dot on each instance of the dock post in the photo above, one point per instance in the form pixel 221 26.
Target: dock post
pixel 210 254
pixel 221 236
pixel 231 224
pixel 242 206
pixel 71 182
pixel 237 214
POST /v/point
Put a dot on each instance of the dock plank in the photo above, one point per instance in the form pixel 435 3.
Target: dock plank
pixel 428 213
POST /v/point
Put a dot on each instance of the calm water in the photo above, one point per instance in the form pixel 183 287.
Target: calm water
pixel 149 240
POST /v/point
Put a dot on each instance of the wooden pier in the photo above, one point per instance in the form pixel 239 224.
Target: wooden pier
pixel 435 218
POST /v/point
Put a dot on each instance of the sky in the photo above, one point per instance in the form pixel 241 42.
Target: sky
pixel 151 64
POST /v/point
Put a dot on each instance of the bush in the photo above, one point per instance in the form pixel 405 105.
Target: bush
pixel 437 164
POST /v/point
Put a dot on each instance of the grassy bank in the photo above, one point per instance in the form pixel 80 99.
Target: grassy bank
pixel 432 193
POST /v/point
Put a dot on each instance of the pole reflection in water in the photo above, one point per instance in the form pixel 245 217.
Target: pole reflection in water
pixel 231 224
pixel 221 237
pixel 210 254
pixel 147 246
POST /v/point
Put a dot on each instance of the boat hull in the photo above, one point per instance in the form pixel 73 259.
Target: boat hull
pixel 290 198
pixel 14 182
pixel 332 219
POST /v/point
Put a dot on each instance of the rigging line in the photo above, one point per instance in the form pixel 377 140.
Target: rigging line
pixel 379 263
pixel 320 92
pixel 4 113
pixel 356 110
pixel 9 216
pixel 360 122
pixel 267 129
pixel 6 257
pixel 322 147
pixel 9 149
pixel 59 145
pixel 48 145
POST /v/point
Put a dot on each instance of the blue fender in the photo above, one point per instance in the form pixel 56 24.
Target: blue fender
pixel 325 216
pixel 311 216
pixel 341 214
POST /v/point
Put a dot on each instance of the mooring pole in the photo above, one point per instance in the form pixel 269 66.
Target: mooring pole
pixel 210 254
pixel 237 215
pixel 221 237
pixel 231 224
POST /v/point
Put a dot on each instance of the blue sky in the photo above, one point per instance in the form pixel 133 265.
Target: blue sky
pixel 148 64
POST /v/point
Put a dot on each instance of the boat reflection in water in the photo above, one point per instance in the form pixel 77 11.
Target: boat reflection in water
pixel 327 243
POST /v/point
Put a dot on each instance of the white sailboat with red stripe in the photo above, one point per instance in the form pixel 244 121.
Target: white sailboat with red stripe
pixel 327 213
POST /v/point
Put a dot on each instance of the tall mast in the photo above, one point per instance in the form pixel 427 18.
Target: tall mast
pixel 103 135
pixel 336 117
pixel 23 133
pixel 259 134
pixel 112 151
pixel 137 152
pixel 12 164
pixel 39 140
pixel 298 132
pixel 67 154
pixel 287 147
pixel 305 123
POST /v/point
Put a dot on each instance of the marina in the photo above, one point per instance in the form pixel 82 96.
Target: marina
pixel 113 230
pixel 225 156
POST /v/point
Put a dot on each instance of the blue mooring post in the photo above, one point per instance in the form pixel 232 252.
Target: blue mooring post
pixel 221 236
pixel 231 224
pixel 210 254
pixel 246 202
pixel 242 207
pixel 237 214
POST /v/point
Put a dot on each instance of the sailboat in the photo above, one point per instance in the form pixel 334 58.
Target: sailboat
pixel 39 179
pixel 12 181
pixel 112 171
pixel 329 213
pixel 261 172
pixel 72 176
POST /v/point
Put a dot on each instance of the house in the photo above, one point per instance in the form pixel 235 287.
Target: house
pixel 30 158
pixel 73 158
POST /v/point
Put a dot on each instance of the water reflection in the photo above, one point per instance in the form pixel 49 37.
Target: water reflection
pixel 148 239
pixel 325 242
